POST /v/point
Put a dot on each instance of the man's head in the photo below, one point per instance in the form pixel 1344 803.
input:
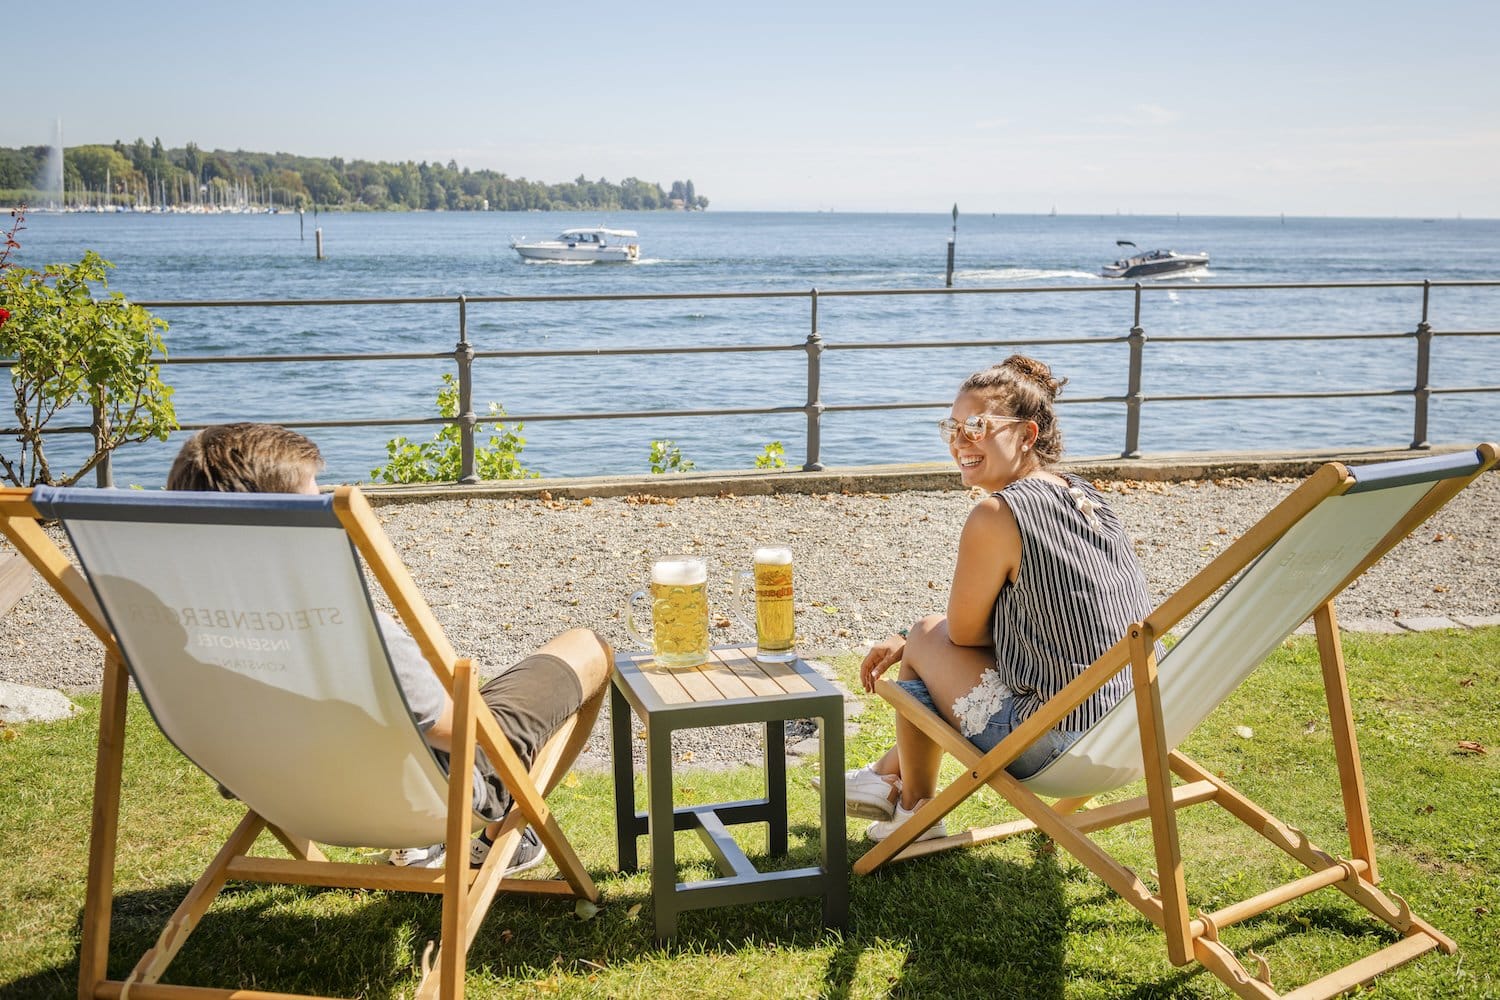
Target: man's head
pixel 246 458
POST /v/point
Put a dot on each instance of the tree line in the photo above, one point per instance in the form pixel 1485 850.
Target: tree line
pixel 142 175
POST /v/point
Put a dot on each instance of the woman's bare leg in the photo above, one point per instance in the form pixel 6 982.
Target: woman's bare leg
pixel 949 672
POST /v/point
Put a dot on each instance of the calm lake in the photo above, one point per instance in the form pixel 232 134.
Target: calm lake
pixel 242 257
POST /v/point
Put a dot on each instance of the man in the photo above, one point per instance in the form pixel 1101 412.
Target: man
pixel 566 677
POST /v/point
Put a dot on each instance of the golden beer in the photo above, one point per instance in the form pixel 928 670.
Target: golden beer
pixel 679 612
pixel 775 619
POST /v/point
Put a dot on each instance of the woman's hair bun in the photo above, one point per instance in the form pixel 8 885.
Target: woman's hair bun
pixel 1036 372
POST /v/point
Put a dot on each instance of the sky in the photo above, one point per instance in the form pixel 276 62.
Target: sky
pixel 1320 107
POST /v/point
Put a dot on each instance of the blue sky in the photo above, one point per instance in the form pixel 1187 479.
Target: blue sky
pixel 1310 108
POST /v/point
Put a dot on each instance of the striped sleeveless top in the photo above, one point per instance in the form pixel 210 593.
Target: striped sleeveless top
pixel 1078 589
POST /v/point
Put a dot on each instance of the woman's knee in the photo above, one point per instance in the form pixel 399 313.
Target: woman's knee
pixel 925 641
pixel 588 655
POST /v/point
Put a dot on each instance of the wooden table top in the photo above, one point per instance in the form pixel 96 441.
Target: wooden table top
pixel 731 673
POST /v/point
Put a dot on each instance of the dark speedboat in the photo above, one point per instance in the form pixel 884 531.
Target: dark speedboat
pixel 1152 262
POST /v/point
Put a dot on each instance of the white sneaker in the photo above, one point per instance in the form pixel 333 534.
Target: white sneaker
pixel 868 795
pixel 884 828
pixel 416 857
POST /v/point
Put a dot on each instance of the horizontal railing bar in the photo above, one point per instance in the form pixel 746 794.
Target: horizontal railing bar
pixel 943 403
pixel 1163 286
pixel 787 410
pixel 909 345
pixel 266 359
pixel 1347 394
pixel 576 352
pixel 829 293
pixel 1251 338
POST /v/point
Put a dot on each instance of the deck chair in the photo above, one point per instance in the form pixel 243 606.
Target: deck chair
pixel 247 625
pixel 1282 571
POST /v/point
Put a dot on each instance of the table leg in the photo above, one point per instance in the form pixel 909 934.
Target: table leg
pixel 624 768
pixel 835 839
pixel 662 825
pixel 776 787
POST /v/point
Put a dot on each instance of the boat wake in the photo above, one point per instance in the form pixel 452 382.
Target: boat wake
pixel 1006 275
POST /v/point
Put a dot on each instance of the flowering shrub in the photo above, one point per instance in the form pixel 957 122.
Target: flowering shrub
pixel 66 346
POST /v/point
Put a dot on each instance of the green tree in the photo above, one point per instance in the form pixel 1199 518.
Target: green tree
pixel 441 459
pixel 70 345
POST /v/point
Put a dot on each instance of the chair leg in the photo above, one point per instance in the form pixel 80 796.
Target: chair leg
pixel 1345 744
pixel 93 953
pixel 1154 754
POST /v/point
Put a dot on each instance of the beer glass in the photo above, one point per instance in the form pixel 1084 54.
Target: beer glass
pixel 679 611
pixel 775 622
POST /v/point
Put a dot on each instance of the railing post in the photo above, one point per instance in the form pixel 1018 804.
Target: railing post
pixel 814 403
pixel 104 473
pixel 1133 387
pixel 463 355
pixel 1422 391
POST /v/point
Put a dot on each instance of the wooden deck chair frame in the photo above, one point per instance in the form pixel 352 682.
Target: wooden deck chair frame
pixel 466 894
pixel 1190 938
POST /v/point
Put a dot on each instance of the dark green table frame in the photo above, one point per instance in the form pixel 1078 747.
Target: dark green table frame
pixel 730 689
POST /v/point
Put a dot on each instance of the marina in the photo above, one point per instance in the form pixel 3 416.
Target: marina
pixel 713 327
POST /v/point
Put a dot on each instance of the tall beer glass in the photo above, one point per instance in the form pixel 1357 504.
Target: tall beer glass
pixel 775 619
pixel 679 611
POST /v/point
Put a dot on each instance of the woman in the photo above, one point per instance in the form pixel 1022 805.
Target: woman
pixel 1046 581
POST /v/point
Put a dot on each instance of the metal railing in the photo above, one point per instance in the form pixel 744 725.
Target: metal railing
pixel 465 356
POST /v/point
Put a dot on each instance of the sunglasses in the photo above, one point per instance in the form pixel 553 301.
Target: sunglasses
pixel 974 427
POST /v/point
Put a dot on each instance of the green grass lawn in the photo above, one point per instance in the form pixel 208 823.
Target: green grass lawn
pixel 1016 919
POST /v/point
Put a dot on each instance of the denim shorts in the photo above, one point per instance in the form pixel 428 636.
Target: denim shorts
pixel 1048 747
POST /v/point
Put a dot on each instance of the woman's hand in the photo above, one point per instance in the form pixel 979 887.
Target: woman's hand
pixel 881 657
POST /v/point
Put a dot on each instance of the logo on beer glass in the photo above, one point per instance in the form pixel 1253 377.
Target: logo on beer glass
pixel 679 611
pixel 775 620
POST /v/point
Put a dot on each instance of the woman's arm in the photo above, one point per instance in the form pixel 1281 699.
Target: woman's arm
pixel 989 555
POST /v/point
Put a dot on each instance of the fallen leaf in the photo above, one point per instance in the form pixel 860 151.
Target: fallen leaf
pixel 633 912
pixel 507 935
pixel 1311 727
pixel 1244 732
pixel 1426 810
pixel 571 781
pixel 1466 682
pixel 1471 746
pixel 687 757
pixel 585 909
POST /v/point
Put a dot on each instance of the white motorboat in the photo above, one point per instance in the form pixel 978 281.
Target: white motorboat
pixel 1152 262
pixel 586 244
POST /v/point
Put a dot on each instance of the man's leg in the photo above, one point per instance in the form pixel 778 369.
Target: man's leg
pixel 555 693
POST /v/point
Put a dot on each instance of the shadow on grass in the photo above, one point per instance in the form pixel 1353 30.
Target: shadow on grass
pixel 965 924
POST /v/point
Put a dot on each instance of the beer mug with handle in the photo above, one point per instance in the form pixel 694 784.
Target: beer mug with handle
pixel 770 583
pixel 679 611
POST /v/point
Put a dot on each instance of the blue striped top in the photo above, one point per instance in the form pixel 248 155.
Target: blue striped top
pixel 1078 589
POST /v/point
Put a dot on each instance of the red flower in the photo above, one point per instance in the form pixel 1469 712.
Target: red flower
pixel 4 315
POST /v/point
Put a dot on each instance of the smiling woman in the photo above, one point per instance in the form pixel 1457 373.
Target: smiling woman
pixel 1010 639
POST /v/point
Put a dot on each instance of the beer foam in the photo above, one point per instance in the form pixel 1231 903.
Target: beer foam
pixel 772 555
pixel 678 572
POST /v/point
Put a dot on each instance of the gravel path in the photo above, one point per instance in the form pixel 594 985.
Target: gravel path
pixel 503 575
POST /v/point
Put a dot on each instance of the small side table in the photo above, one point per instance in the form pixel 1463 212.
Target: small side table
pixel 730 689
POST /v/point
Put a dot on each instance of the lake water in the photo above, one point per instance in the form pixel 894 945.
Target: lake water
pixel 234 257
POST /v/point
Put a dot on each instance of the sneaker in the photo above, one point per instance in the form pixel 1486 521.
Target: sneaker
pixel 528 855
pixel 868 795
pixel 884 828
pixel 416 857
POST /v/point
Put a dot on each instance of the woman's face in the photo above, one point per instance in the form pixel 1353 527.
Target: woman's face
pixel 1002 453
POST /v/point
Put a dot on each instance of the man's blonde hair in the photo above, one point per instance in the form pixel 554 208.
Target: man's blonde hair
pixel 244 458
